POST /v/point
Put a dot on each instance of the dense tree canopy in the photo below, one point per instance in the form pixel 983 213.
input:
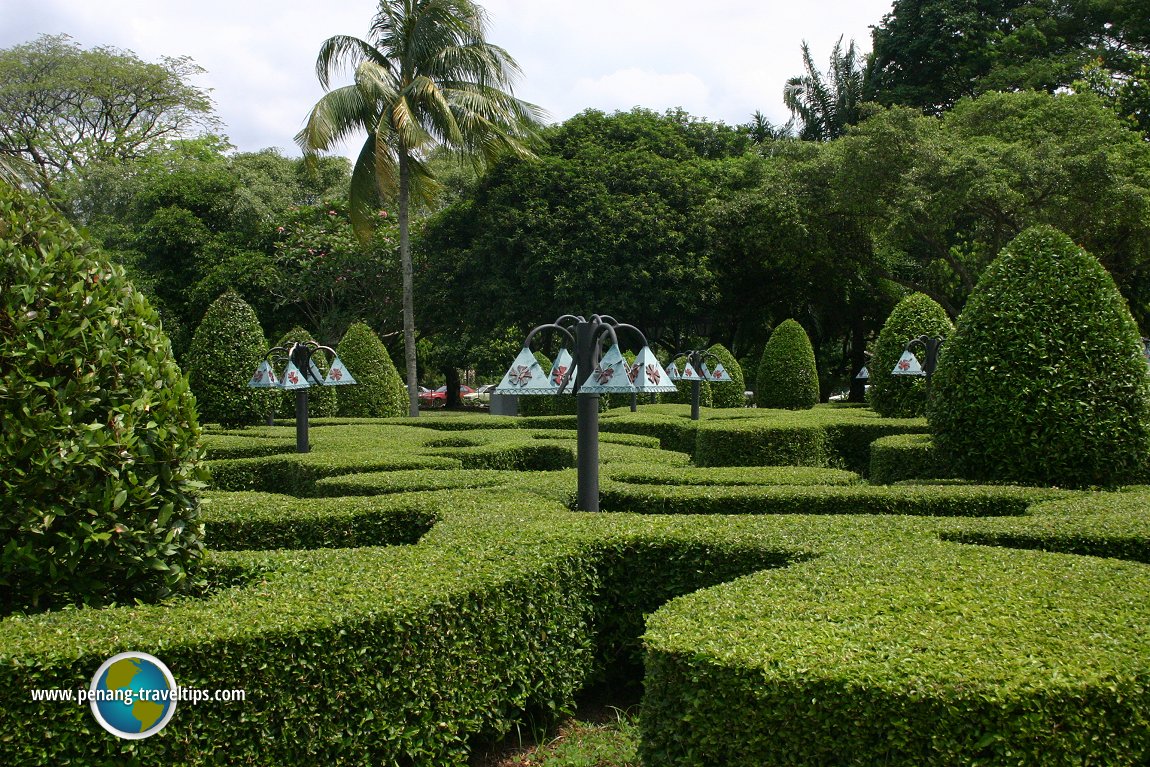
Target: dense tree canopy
pixel 63 107
pixel 931 53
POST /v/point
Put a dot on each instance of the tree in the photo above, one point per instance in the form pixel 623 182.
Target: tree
pixel 426 76
pixel 929 54
pixel 63 107
pixel 827 106
pixel 1044 380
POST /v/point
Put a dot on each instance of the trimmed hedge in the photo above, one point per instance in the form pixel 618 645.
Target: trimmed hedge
pixel 736 476
pixel 904 396
pixel 1043 381
pixel 909 653
pixel 937 501
pixel 227 348
pixel 904 457
pixel 788 377
pixel 321 400
pixel 252 521
pixel 729 395
pixel 379 391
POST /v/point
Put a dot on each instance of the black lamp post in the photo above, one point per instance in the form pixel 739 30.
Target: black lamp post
pixel 590 372
pixel 300 374
pixel 696 372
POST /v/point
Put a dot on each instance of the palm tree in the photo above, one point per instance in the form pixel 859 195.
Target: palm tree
pixel 827 107
pixel 425 77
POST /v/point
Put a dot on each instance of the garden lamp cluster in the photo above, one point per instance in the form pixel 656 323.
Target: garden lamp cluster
pixel 300 373
pixel 695 370
pixel 909 365
pixel 587 372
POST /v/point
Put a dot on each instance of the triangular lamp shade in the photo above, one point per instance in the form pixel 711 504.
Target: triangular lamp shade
pixel 863 374
pixel 673 372
pixel 564 366
pixel 314 376
pixel 610 377
pixel 264 377
pixel 293 379
pixel 908 365
pixel 718 375
pixel 337 375
pixel 526 376
pixel 690 374
pixel 648 376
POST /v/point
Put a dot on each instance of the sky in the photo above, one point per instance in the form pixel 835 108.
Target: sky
pixel 718 59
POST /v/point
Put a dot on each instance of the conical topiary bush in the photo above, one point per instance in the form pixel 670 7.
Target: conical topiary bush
pixel 226 349
pixel 1043 381
pixel 100 458
pixel 728 395
pixel 903 396
pixel 321 400
pixel 788 377
pixel 379 391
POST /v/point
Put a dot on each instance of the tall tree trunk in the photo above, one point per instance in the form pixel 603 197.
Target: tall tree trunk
pixel 408 285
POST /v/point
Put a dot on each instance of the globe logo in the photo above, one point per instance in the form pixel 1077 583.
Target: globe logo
pixel 133 695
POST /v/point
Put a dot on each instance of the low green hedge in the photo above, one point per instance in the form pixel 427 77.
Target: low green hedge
pixel 936 501
pixel 252 521
pixel 1093 524
pixel 646 474
pixel 393 482
pixel 911 653
pixel 754 443
pixel 297 474
pixel 224 446
pixel 905 457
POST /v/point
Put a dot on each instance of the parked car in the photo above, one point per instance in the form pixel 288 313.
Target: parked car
pixel 427 398
pixel 483 394
pixel 438 398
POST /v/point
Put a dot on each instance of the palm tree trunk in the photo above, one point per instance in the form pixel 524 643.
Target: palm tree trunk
pixel 408 285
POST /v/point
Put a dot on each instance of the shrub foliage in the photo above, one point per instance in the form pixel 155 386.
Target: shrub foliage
pixel 729 395
pixel 99 443
pixel 226 349
pixel 1043 381
pixel 788 377
pixel 904 396
pixel 379 392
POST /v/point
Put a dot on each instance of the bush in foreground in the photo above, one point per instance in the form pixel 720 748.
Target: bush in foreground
pixel 99 453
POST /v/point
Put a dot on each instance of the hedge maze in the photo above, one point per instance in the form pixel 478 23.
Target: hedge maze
pixel 412 588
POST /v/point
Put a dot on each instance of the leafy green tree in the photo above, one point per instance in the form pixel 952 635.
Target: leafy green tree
pixel 1044 381
pixel 904 396
pixel 379 391
pixel 426 76
pixel 827 105
pixel 226 349
pixel 63 107
pixel 787 376
pixel 100 458
pixel 929 54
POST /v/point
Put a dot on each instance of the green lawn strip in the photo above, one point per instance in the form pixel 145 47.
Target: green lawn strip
pixel 945 500
pixel 1102 524
pixel 903 650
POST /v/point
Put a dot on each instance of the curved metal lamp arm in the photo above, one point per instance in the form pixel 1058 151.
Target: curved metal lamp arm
pixel 549 326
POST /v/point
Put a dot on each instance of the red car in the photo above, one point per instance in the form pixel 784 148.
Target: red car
pixel 438 398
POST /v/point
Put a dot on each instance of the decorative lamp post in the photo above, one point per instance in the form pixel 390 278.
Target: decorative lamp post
pixel 908 364
pixel 695 370
pixel 589 371
pixel 300 374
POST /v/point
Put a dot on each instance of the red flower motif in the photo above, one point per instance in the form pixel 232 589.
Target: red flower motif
pixel 519 376
pixel 336 374
pixel 633 372
pixel 903 365
pixel 293 377
pixel 558 373
pixel 259 376
pixel 717 374
pixel 653 374
pixel 689 372
pixel 603 375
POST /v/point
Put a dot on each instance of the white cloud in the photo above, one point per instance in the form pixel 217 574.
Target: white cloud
pixel 630 87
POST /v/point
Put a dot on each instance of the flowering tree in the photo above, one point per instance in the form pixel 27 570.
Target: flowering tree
pixel 330 276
